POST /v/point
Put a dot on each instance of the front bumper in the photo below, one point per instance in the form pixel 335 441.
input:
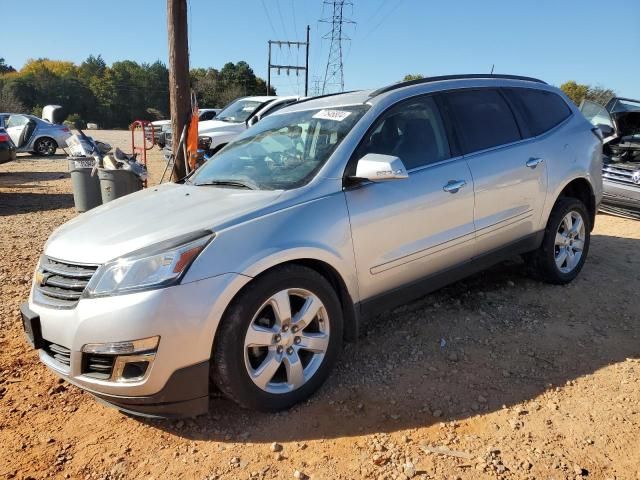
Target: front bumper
pixel 185 317
pixel 620 196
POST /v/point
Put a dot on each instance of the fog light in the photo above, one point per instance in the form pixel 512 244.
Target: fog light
pixel 132 368
pixel 122 348
pixel 120 361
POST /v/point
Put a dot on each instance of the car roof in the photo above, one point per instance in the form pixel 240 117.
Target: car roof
pixel 424 85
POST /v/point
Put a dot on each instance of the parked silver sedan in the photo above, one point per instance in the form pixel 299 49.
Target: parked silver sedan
pixel 34 135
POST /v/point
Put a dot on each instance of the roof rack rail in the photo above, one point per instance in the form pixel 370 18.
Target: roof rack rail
pixel 302 100
pixel 451 77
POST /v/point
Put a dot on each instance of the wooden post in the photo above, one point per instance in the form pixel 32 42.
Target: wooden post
pixel 179 89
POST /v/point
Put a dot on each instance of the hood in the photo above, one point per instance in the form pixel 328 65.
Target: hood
pixel 151 216
pixel 215 126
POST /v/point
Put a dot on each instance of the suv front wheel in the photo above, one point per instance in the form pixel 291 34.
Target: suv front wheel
pixel 565 245
pixel 278 340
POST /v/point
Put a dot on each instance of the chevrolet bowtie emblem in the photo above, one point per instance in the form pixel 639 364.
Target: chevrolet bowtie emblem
pixel 39 277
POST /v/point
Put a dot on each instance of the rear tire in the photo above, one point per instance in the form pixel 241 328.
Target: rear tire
pixel 268 354
pixel 44 146
pixel 565 245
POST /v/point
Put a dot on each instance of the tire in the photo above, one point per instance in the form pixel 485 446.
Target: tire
pixel 45 146
pixel 236 360
pixel 546 263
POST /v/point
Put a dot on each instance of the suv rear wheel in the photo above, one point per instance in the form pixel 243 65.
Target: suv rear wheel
pixel 278 340
pixel 565 245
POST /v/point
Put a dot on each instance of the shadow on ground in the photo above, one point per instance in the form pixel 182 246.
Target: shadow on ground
pixel 26 202
pixel 13 179
pixel 507 338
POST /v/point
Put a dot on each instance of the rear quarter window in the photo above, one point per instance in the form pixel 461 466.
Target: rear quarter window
pixel 541 110
pixel 483 119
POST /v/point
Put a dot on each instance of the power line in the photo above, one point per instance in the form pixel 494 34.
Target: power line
pixel 334 71
pixel 268 17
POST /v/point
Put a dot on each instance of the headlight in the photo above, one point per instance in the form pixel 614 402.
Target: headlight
pixel 157 266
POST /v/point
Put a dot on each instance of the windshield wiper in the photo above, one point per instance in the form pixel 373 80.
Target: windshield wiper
pixel 229 183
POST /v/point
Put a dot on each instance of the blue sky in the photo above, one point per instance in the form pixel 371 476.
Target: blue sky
pixel 590 41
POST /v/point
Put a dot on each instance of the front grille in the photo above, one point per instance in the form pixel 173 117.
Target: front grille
pixel 61 283
pixel 97 366
pixel 621 173
pixel 59 353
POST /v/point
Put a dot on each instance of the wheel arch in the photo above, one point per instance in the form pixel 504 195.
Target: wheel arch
pixel 349 310
pixel 581 189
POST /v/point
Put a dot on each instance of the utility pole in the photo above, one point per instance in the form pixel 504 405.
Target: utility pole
pixel 289 68
pixel 179 89
pixel 334 72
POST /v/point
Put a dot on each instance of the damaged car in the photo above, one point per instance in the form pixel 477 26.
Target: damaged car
pixel 619 122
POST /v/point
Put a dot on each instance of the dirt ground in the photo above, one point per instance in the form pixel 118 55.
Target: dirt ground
pixel 498 376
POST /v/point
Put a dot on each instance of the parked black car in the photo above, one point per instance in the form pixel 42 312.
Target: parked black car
pixel 7 148
pixel 619 121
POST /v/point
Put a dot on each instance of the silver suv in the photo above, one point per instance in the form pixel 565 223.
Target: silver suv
pixel 250 274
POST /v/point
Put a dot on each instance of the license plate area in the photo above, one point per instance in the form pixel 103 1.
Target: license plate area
pixel 31 325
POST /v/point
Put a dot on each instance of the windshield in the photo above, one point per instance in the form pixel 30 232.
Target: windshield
pixel 239 110
pixel 283 151
pixel 595 113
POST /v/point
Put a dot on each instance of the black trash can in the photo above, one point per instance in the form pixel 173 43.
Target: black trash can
pixel 86 187
pixel 117 183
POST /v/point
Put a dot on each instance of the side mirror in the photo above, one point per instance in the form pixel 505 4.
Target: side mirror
pixel 607 130
pixel 378 168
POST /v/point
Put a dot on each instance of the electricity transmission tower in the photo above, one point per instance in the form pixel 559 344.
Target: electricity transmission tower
pixel 334 72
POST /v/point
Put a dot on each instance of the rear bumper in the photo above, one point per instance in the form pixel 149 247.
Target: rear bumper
pixel 7 153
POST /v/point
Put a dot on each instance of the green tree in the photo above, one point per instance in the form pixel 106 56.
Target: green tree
pixel 578 92
pixel 412 76
pixel 4 68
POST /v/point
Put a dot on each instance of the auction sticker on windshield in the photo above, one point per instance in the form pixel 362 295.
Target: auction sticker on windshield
pixel 337 115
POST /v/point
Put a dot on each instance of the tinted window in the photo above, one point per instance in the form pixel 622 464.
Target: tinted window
pixel 483 119
pixel 542 110
pixel 412 131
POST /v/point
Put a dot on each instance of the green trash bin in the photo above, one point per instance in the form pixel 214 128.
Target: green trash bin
pixel 86 187
pixel 117 183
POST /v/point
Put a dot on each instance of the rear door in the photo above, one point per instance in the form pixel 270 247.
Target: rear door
pixel 404 230
pixel 509 174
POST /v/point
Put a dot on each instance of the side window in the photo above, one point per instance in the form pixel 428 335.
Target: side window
pixel 483 119
pixel 16 121
pixel 412 131
pixel 542 110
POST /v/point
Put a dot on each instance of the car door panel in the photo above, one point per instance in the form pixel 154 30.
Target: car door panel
pixel 509 195
pixel 509 173
pixel 404 230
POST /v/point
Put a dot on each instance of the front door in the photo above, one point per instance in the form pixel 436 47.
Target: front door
pixel 407 229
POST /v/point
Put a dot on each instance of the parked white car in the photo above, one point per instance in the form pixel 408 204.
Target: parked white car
pixel 236 117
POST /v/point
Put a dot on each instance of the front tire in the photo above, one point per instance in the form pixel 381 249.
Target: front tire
pixel 278 340
pixel 565 245
pixel 45 146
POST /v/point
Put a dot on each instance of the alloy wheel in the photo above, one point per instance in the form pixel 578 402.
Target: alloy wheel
pixel 569 242
pixel 286 341
pixel 45 146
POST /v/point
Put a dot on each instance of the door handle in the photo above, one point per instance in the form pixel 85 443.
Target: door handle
pixel 534 162
pixel 454 185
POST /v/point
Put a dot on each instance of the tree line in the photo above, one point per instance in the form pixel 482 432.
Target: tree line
pixel 114 96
